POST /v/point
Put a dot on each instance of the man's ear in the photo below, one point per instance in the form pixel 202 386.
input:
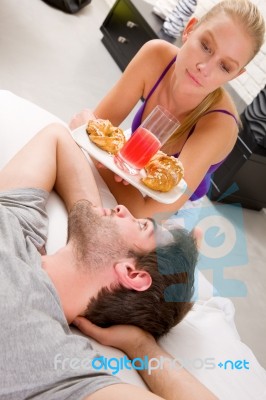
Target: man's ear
pixel 189 28
pixel 197 233
pixel 132 278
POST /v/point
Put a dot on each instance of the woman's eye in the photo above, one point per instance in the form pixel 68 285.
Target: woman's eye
pixel 206 47
pixel 225 68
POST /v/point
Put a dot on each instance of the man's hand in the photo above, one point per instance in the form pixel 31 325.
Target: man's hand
pixel 123 337
pixel 81 118
pixel 169 383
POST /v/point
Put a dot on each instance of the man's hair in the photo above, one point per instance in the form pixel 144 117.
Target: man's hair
pixel 165 303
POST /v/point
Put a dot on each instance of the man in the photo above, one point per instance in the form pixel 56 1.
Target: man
pixel 41 294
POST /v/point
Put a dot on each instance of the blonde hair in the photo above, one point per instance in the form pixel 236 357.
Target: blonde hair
pixel 245 12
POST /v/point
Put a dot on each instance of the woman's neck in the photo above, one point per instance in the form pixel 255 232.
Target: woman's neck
pixel 179 103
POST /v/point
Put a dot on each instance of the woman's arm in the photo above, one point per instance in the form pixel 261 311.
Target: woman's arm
pixel 135 83
pixel 171 383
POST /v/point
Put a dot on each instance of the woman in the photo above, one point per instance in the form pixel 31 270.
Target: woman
pixel 188 82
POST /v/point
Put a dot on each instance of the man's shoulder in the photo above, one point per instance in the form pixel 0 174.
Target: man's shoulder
pixel 8 223
pixel 23 216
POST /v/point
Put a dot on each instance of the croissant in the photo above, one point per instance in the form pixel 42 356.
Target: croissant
pixel 163 172
pixel 105 135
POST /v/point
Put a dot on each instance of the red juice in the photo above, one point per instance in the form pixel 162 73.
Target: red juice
pixel 140 148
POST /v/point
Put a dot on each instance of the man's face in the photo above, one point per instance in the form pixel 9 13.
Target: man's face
pixel 109 234
pixel 137 234
pixel 104 235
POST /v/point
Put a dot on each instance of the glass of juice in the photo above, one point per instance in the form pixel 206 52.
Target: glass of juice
pixel 147 139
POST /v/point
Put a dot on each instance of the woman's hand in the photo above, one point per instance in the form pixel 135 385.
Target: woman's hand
pixel 81 118
pixel 124 337
pixel 117 178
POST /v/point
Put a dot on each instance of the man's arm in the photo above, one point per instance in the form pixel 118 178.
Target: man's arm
pixel 167 382
pixel 50 160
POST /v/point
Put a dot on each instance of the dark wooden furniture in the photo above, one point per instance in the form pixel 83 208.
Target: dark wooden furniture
pixel 129 24
pixel 244 170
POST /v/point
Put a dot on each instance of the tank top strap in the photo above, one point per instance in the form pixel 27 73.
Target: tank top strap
pixel 217 110
pixel 224 112
pixel 160 78
pixel 138 116
pixel 208 112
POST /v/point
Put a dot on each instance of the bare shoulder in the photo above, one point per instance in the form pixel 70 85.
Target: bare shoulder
pixel 226 103
pixel 159 45
pixel 150 61
pixel 159 49
pixel 219 129
pixel 157 53
pixel 223 121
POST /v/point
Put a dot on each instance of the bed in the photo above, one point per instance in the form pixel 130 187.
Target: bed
pixel 206 342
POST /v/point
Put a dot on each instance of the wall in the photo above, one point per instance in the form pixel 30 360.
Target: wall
pixel 110 2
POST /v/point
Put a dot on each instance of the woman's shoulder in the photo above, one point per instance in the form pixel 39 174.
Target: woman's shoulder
pixel 217 128
pixel 153 58
pixel 159 50
pixel 226 103
pixel 160 43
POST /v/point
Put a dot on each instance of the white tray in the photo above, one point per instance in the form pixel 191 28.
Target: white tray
pixel 82 139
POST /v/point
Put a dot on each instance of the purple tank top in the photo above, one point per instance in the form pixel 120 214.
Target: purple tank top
pixel 204 185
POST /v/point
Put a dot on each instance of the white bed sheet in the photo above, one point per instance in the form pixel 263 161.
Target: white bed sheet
pixel 205 338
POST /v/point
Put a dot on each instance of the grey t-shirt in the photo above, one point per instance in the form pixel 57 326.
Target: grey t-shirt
pixel 40 358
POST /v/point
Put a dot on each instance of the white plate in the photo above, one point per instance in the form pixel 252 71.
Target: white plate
pixel 82 139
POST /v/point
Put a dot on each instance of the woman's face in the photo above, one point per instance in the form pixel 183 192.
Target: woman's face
pixel 212 54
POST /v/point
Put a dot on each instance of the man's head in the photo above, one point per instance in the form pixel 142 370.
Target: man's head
pixel 101 236
pixel 154 268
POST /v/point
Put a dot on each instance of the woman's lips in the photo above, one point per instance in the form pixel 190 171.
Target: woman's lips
pixel 192 77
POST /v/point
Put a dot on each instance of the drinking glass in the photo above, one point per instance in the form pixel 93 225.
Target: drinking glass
pixel 147 139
